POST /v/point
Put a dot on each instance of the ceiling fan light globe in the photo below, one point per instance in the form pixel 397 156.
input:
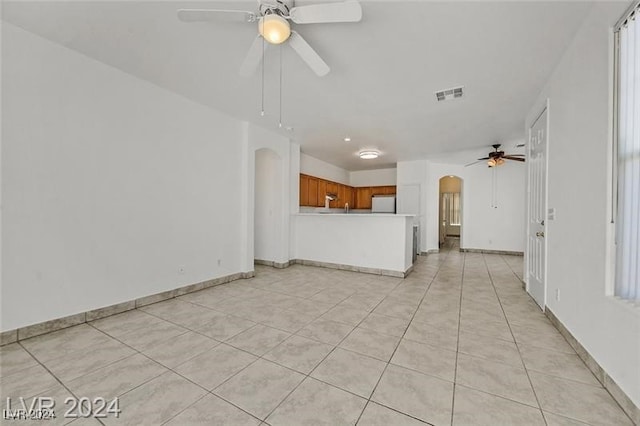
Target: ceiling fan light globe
pixel 491 162
pixel 500 161
pixel 274 28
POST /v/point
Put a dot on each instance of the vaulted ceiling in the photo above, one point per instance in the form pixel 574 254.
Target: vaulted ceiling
pixel 384 69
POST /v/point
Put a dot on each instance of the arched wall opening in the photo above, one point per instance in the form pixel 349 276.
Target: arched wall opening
pixel 450 209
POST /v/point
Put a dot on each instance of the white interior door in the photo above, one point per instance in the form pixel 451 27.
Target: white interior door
pixel 537 208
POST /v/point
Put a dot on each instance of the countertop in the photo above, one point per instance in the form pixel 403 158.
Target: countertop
pixel 355 214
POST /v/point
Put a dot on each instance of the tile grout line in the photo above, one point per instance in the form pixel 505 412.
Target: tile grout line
pixel 308 375
pixel 57 379
pixel 267 360
pixel 600 386
pixel 515 341
pixel 387 296
pixel 169 369
pixel 440 264
pixel 187 329
pixel 455 371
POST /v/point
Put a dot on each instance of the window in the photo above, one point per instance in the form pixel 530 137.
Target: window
pixel 627 146
pixel 451 208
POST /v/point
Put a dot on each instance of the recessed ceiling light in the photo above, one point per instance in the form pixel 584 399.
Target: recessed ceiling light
pixel 368 155
pixel 347 139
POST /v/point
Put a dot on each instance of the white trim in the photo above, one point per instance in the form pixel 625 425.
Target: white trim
pixel 612 169
pixel 635 6
pixel 540 109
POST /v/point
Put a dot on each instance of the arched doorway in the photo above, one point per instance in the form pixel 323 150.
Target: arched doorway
pixel 450 211
pixel 267 218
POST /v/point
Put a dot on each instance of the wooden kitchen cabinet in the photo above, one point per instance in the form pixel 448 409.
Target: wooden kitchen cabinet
pixel 363 197
pixel 377 190
pixel 332 188
pixel 304 190
pixel 389 190
pixel 313 190
pixel 350 197
pixel 322 192
pixel 342 195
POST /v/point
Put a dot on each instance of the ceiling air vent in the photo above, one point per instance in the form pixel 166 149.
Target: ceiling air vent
pixel 448 94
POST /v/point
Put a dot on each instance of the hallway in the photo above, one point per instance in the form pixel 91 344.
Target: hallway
pixel 457 342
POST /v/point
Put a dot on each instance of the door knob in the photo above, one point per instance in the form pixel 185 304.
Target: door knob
pixel 540 234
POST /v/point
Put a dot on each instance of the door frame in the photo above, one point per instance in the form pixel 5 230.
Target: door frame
pixel 542 108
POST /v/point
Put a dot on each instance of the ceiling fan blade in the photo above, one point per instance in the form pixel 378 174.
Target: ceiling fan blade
pixel 253 58
pixel 511 157
pixel 483 158
pixel 208 15
pixel 308 55
pixel 347 11
pixel 516 155
pixel 471 164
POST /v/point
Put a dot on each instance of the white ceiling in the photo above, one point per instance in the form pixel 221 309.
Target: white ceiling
pixel 384 70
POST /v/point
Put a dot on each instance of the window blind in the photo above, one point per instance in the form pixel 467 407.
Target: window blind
pixel 627 280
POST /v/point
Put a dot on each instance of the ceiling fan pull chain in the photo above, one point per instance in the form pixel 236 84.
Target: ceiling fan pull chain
pixel 494 196
pixel 262 89
pixel 280 88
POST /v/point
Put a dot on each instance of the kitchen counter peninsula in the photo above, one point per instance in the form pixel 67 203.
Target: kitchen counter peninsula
pixel 375 243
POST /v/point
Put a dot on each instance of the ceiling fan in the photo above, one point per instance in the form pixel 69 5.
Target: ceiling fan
pixel 272 18
pixel 496 157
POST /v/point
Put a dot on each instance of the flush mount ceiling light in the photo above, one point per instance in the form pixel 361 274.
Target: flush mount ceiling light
pixel 274 28
pixel 369 154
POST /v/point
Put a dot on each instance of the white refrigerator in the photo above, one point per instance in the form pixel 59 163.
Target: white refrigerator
pixel 383 204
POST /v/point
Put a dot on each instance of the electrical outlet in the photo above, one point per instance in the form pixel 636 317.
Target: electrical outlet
pixel 557 294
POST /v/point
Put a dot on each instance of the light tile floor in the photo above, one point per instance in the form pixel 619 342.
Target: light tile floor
pixel 457 342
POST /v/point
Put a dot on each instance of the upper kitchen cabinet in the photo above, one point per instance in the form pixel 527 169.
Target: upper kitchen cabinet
pixel 304 190
pixel 342 195
pixel 332 188
pixel 313 190
pixel 389 190
pixel 383 190
pixel 322 192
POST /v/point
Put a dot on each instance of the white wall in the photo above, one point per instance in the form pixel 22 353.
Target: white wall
pixel 479 219
pixel 318 168
pixel 378 177
pixel 498 227
pixel 268 211
pixel 110 185
pixel 579 144
pixel 411 197
pixel 353 243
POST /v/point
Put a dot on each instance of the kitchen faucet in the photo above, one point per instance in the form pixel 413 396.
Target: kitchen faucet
pixel 346 207
pixel 327 199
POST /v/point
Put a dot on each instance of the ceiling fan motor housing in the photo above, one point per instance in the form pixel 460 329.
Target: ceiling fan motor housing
pixel 280 7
